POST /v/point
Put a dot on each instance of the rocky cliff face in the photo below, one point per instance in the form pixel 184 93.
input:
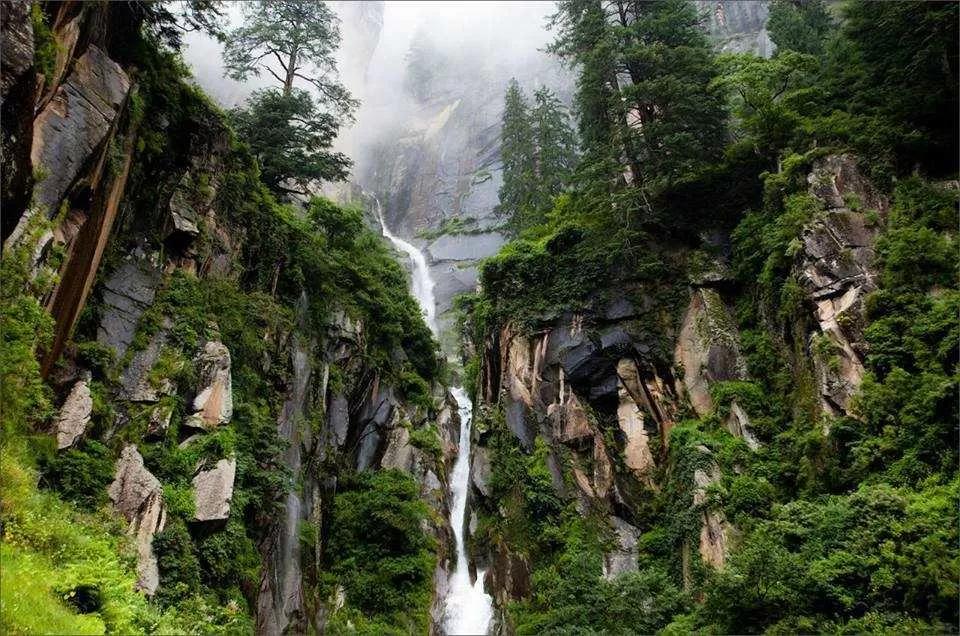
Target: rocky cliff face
pixel 438 174
pixel 602 389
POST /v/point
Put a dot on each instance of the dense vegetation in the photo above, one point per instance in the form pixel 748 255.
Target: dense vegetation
pixel 843 525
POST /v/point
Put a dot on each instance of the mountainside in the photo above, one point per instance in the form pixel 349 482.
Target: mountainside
pixel 220 371
pixel 679 352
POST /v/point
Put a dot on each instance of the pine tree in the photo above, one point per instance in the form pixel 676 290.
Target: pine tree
pixel 517 156
pixel 555 148
pixel 290 130
pixel 644 92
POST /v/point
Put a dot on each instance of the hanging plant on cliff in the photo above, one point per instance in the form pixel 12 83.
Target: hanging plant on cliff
pixel 290 129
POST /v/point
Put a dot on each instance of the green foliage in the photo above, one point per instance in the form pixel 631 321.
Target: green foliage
pixel 80 474
pixel 289 133
pixel 177 562
pixel 538 151
pixel 97 357
pixel 290 139
pixel 378 551
pixel 427 439
pixel 803 27
pixel 51 549
pixel 817 566
pixel 25 329
pixel 290 41
pixel 44 44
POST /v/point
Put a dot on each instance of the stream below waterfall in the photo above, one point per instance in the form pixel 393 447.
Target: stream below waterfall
pixel 468 607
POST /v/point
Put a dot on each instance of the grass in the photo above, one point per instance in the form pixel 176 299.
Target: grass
pixel 28 602
pixel 50 549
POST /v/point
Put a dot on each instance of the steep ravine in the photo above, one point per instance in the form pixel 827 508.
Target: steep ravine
pixel 467 608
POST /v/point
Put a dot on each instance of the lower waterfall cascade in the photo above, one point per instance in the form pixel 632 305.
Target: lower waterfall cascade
pixel 469 608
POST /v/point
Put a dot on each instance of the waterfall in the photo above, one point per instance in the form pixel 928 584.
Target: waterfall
pixel 422 281
pixel 468 608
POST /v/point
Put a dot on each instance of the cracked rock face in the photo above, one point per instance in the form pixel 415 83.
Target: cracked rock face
pixel 126 295
pixel 74 415
pixel 213 491
pixel 76 121
pixel 138 496
pixel 837 269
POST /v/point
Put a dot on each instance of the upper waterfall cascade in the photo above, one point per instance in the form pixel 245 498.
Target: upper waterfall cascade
pixel 468 607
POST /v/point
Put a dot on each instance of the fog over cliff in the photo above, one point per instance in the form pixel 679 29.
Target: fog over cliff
pixel 470 41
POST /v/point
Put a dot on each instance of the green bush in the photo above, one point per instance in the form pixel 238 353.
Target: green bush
pixel 80 474
pixel 378 551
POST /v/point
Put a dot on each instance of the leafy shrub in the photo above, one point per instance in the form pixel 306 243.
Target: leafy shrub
pixel 377 549
pixel 81 474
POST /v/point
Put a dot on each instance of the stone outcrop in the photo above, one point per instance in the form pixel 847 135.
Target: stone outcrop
pixel 136 381
pixel 213 404
pixel 138 496
pixel 213 491
pixel 837 269
pixel 707 349
pixel 74 415
pixel 624 557
pixel 126 295
pixel 75 122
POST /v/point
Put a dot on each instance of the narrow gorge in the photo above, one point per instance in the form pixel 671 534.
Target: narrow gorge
pixel 496 318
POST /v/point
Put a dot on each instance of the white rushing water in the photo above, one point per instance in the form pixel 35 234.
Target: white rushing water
pixel 422 281
pixel 468 608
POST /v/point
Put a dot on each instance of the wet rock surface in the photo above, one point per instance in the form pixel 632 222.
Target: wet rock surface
pixel 126 295
pixel 75 122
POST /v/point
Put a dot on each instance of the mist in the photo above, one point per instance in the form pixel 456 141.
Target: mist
pixel 475 48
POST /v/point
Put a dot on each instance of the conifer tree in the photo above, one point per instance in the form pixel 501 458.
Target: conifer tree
pixel 290 130
pixel 644 90
pixel 555 147
pixel 516 153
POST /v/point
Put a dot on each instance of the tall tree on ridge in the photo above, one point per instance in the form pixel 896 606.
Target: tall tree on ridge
pixel 516 153
pixel 555 147
pixel 289 131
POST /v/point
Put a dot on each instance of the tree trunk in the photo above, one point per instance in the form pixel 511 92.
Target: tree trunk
pixel 291 70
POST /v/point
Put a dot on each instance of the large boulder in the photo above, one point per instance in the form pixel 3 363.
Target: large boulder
pixel 74 415
pixel 213 404
pixel 138 496
pixel 213 491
